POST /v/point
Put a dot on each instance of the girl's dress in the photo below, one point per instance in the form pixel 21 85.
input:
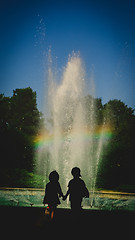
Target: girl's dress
pixel 51 194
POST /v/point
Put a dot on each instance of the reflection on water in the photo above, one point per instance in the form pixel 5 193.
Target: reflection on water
pixel 107 200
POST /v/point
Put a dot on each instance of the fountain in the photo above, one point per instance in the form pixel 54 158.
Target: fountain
pixel 74 138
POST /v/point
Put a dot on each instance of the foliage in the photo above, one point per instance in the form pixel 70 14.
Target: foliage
pixel 21 178
pixel 19 124
pixel 117 166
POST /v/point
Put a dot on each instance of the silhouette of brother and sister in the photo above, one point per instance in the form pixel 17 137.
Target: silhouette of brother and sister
pixel 76 190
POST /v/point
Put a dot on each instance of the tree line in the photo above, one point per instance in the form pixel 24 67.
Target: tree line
pixel 20 122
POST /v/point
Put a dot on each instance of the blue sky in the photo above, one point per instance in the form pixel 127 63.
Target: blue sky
pixel 102 31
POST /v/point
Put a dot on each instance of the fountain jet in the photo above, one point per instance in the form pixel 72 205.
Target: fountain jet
pixel 74 138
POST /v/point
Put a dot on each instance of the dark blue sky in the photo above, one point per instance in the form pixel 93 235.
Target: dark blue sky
pixel 102 30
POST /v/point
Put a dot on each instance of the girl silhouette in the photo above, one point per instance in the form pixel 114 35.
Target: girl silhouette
pixel 53 192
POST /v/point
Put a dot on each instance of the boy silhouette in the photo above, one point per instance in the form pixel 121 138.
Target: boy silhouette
pixel 76 190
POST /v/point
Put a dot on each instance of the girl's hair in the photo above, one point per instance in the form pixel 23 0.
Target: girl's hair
pixel 54 176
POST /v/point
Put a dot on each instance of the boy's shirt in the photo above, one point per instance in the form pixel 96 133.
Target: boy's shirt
pixel 77 189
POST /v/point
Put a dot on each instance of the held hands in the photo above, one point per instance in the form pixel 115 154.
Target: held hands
pixel 64 198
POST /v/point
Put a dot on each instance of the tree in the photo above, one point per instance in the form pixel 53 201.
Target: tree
pixel 118 165
pixel 117 114
pixel 19 122
pixel 4 112
pixel 25 115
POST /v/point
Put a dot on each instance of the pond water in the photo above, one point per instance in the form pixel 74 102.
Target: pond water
pixel 106 200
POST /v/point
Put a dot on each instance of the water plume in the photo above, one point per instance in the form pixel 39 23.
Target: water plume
pixel 74 138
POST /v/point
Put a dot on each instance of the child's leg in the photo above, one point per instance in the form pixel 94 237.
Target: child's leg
pixel 76 205
pixel 52 214
pixel 53 208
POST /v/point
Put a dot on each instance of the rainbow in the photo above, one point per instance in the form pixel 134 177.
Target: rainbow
pixel 45 140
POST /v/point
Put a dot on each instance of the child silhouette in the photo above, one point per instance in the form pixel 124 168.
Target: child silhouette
pixel 76 190
pixel 53 192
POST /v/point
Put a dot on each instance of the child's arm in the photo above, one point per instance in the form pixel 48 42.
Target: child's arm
pixel 45 196
pixel 60 191
pixel 65 197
